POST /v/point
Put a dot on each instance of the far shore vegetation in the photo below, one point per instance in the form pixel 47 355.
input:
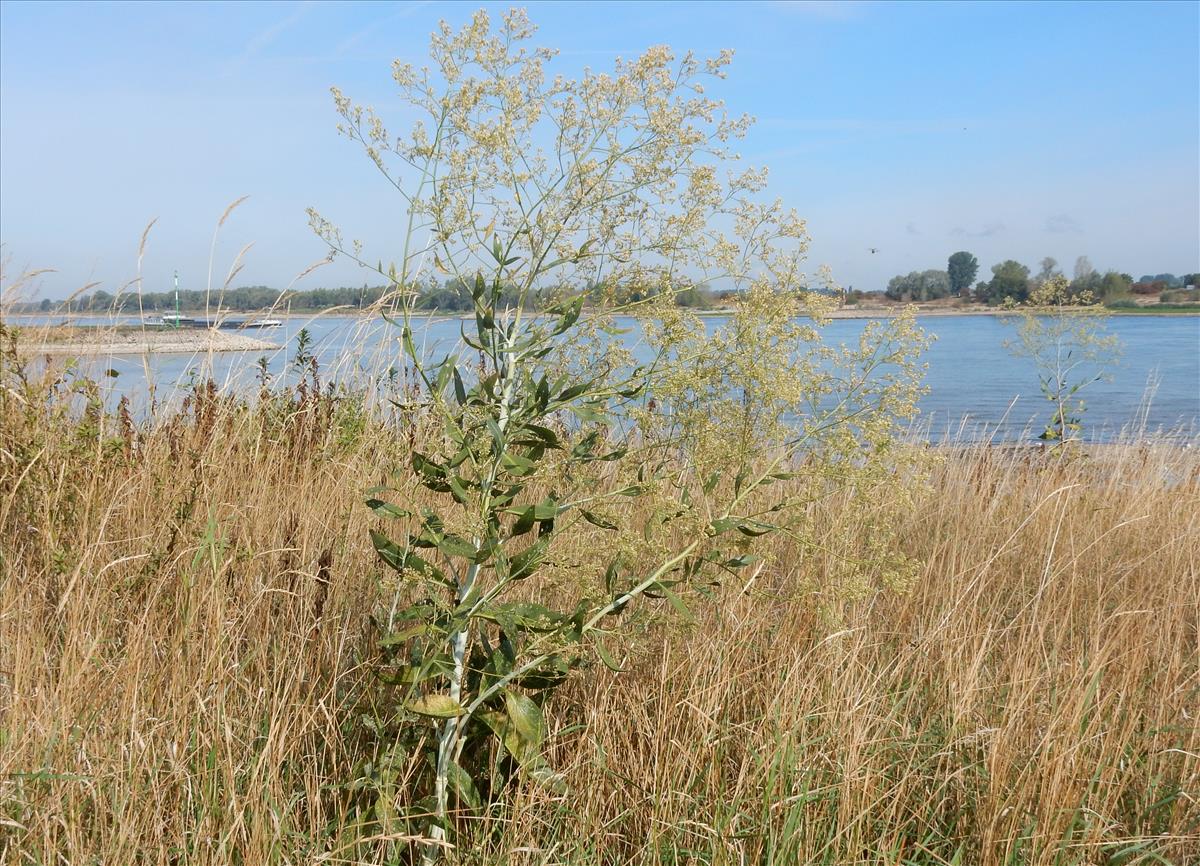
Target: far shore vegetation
pixel 946 290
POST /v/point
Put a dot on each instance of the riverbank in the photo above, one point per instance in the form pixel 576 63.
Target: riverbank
pixel 133 340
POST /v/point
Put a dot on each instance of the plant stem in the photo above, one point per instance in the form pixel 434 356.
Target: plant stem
pixel 450 739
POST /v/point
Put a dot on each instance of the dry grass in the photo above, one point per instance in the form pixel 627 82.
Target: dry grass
pixel 184 617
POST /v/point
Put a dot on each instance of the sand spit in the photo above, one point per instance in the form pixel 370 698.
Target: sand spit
pixel 136 341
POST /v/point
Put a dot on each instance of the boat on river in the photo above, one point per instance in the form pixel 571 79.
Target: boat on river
pixel 171 320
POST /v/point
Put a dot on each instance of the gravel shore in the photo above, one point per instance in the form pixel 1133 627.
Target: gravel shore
pixel 133 341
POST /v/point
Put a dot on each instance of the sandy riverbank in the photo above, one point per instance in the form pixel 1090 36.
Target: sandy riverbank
pixel 888 312
pixel 136 341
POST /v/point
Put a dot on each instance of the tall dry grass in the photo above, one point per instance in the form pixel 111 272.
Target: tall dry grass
pixel 185 634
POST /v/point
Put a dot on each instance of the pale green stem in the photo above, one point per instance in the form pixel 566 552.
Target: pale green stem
pixel 450 742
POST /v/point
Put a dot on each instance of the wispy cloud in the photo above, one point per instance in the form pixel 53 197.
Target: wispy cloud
pixel 265 37
pixel 990 230
pixel 354 38
pixel 912 229
pixel 1062 224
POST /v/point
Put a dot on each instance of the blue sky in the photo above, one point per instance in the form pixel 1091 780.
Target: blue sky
pixel 1012 130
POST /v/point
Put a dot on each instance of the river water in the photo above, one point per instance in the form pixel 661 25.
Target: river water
pixel 977 387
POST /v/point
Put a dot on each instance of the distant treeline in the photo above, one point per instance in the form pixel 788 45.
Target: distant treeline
pixel 451 296
pixel 242 299
pixel 1010 280
pixel 1014 281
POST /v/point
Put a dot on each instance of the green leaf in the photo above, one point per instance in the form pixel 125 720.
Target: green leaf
pixel 405 560
pixel 596 520
pixel 498 665
pixel 610 577
pixel 527 561
pixel 497 434
pixel 516 464
pixel 676 601
pixel 586 446
pixel 569 317
pixel 433 475
pixel 388 550
pixel 754 529
pixel 524 521
pixel 496 721
pixel 526 728
pixel 588 413
pixel 463 785
pixel 547 509
pixel 528 515
pixel 608 660
pixel 399 637
pixel 443 375
pixel 722 525
pixel 554 264
pixel 526 614
pixel 568 394
pixel 436 706
pixel 460 391
pixel 472 343
pixel 456 545
pixel 386 509
pixel 458 489
pixel 547 436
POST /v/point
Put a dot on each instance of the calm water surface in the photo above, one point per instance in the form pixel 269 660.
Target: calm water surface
pixel 976 386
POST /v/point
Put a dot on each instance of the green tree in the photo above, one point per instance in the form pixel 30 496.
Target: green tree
pixel 919 286
pixel 1169 280
pixel 962 268
pixel 1114 285
pixel 1010 281
pixel 100 301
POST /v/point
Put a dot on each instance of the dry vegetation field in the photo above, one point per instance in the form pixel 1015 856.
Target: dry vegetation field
pixel 185 636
